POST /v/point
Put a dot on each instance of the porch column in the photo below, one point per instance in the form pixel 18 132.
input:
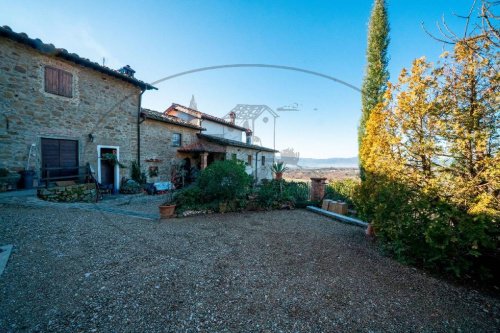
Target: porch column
pixel 317 188
pixel 204 160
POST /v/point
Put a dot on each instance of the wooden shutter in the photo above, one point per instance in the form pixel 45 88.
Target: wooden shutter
pixel 68 156
pixel 58 82
pixel 58 153
pixel 51 80
pixel 65 84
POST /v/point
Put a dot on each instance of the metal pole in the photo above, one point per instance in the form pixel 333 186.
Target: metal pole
pixel 274 134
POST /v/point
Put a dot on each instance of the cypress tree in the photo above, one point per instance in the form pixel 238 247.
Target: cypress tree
pixel 376 77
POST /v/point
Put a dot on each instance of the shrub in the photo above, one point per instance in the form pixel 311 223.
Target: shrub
pixel 275 193
pixel 418 228
pixel 188 197
pixel 342 190
pixel 130 187
pixel 224 181
pixel 297 191
pixel 135 173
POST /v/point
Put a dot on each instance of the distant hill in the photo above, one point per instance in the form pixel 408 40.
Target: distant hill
pixel 333 162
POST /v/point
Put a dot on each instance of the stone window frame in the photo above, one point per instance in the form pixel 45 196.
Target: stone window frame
pixel 68 67
pixel 176 139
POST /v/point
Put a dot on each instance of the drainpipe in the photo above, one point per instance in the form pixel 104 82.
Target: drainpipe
pixel 139 109
pixel 257 165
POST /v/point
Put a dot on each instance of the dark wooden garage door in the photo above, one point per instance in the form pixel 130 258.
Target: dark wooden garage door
pixel 58 153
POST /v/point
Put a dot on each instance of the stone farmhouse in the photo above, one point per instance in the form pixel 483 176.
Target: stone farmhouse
pixel 199 139
pixel 59 111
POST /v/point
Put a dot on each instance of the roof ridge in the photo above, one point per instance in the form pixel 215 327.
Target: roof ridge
pixel 210 117
pixel 156 115
pixel 52 50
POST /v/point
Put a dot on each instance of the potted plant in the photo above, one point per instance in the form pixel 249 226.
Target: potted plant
pixel 278 169
pixel 112 159
pixel 8 180
pixel 167 208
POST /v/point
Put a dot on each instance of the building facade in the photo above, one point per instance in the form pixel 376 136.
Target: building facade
pixel 223 139
pixel 59 111
pixel 161 138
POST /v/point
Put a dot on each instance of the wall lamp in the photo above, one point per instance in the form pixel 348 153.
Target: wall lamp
pixel 91 137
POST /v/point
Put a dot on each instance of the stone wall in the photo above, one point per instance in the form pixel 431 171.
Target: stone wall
pixel 157 149
pixel 71 193
pixel 103 106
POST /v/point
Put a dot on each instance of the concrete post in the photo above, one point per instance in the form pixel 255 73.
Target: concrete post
pixel 317 188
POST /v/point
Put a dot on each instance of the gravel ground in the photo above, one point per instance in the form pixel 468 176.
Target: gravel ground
pixel 280 271
pixel 138 203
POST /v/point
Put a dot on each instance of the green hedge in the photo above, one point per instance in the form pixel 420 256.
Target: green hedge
pixel 276 193
pixel 420 229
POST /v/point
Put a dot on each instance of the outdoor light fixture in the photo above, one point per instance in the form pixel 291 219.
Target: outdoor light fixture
pixel 91 137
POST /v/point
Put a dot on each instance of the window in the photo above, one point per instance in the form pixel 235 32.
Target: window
pixel 176 140
pixel 233 157
pixel 58 82
pixel 249 160
pixel 263 160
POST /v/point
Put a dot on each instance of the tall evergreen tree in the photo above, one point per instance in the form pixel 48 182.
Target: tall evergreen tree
pixel 376 77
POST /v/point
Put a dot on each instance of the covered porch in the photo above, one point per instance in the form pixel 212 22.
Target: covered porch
pixel 201 154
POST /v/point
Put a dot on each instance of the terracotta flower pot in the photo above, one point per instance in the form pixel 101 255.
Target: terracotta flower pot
pixel 370 232
pixel 279 175
pixel 167 211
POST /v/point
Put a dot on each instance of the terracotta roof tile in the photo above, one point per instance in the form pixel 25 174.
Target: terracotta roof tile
pixel 206 116
pixel 155 115
pixel 233 143
pixel 202 147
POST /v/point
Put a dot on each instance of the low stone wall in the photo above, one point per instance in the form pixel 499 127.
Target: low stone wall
pixel 70 193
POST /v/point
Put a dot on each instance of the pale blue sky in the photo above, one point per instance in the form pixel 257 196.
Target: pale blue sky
pixel 161 38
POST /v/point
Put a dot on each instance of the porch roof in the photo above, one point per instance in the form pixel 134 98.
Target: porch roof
pixel 233 143
pixel 202 147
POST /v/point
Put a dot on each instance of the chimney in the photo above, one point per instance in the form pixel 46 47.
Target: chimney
pixel 127 70
pixel 232 117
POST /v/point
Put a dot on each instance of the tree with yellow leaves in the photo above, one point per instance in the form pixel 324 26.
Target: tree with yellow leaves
pixel 431 157
pixel 471 103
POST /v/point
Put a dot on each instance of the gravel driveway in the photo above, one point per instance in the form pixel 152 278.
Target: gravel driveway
pixel 282 271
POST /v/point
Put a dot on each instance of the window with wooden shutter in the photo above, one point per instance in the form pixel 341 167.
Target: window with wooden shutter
pixel 59 157
pixel 58 82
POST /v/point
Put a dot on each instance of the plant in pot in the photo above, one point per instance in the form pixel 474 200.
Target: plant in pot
pixel 278 169
pixel 167 208
pixel 112 159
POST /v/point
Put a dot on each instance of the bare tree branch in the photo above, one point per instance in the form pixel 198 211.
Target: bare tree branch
pixel 434 37
pixel 467 20
pixel 485 29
